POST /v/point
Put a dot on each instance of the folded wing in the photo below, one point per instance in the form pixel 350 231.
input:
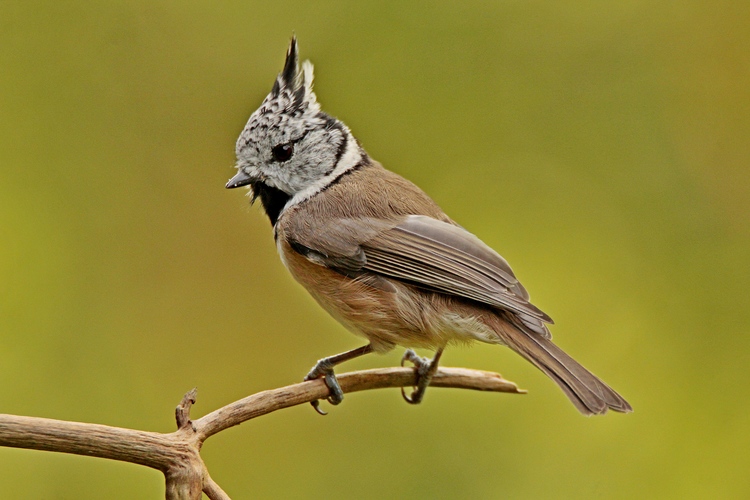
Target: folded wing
pixel 424 252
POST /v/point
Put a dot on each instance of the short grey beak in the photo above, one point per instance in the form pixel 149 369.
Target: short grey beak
pixel 241 179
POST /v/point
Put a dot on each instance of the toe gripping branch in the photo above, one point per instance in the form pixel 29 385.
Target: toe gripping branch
pixel 324 368
pixel 425 368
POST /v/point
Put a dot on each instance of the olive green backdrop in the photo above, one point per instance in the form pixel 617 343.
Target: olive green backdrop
pixel 601 147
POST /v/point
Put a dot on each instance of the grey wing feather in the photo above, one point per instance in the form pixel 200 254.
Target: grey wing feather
pixel 336 243
pixel 449 259
pixel 426 252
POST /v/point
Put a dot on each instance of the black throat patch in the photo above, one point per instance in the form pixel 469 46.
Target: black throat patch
pixel 272 199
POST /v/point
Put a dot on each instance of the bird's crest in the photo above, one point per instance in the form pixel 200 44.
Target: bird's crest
pixel 291 102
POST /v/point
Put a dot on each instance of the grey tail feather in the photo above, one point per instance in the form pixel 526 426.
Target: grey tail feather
pixel 584 389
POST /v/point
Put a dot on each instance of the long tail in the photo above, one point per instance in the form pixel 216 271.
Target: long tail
pixel 587 392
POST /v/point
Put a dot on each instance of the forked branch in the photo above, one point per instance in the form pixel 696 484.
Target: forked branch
pixel 177 454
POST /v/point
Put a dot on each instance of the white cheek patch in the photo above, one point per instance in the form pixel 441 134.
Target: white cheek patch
pixel 274 180
pixel 350 159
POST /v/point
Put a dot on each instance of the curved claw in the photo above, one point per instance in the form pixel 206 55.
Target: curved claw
pixel 407 398
pixel 316 405
pixel 325 370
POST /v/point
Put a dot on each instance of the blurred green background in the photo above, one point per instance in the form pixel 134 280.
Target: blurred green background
pixel 601 147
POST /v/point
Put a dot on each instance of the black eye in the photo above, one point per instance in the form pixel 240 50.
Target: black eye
pixel 282 152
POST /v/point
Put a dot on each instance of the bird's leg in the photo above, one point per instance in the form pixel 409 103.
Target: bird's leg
pixel 324 368
pixel 426 369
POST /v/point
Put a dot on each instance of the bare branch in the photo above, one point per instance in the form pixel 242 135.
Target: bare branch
pixel 152 449
pixel 182 412
pixel 213 490
pixel 177 454
pixel 266 402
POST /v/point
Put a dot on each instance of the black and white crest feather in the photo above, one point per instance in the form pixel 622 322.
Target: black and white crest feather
pixel 317 148
pixel 291 106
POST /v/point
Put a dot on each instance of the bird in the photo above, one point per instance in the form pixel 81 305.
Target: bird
pixel 380 256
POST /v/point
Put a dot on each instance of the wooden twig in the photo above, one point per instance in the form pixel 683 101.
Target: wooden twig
pixel 177 454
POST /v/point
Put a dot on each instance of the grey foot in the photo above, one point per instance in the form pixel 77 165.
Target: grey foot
pixel 425 368
pixel 324 369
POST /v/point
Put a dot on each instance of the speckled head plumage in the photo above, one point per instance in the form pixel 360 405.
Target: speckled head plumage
pixel 291 108
pixel 289 148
